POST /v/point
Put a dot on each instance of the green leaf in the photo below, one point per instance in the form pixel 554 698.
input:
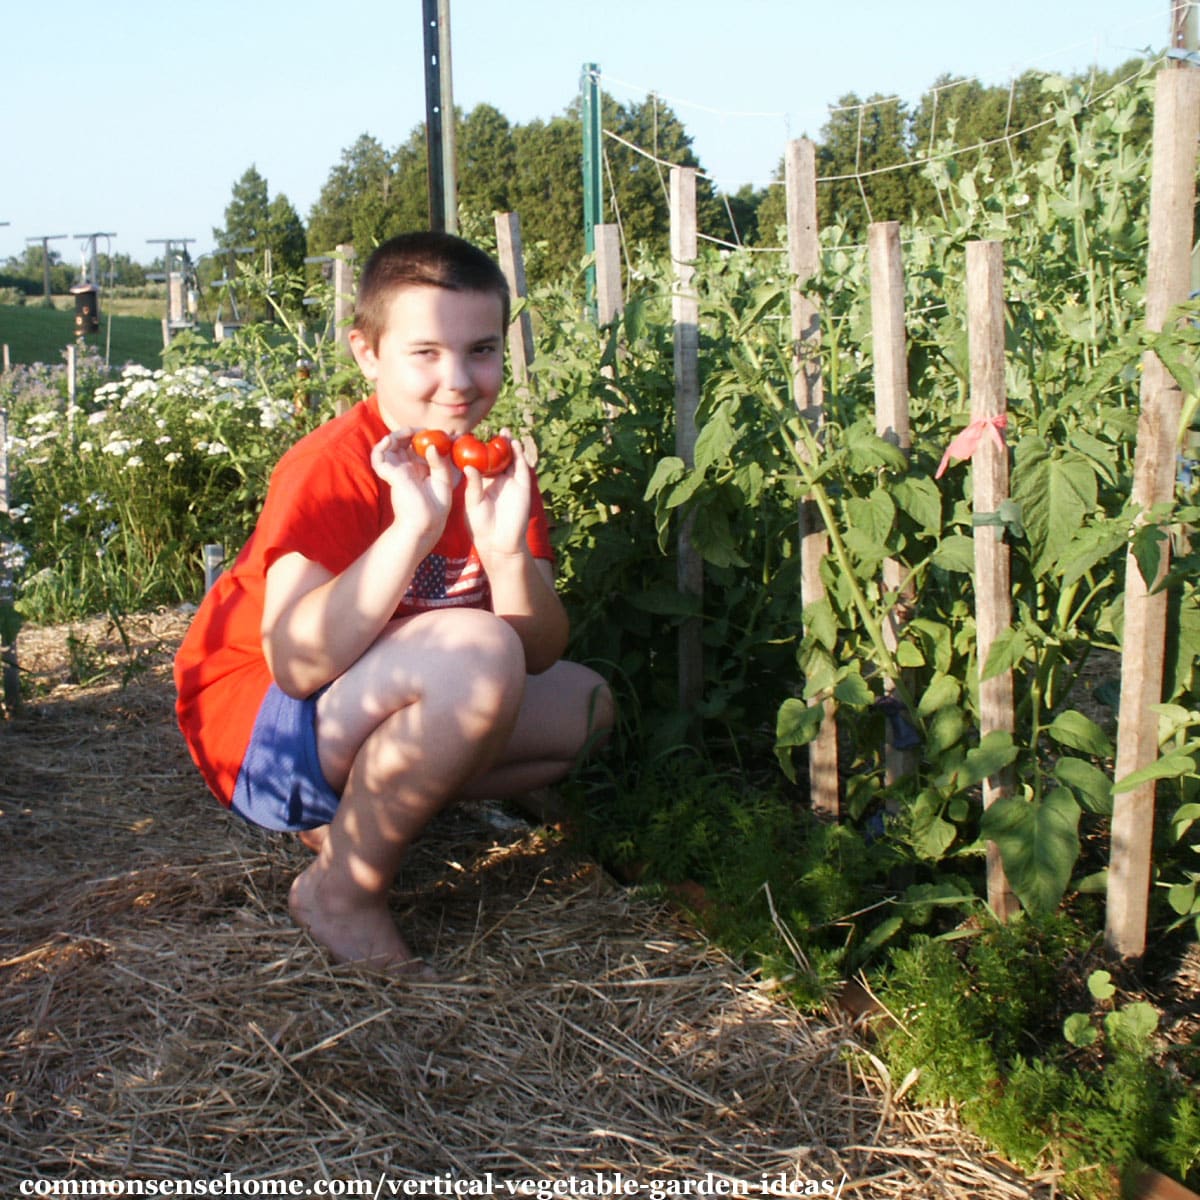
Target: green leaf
pixel 1039 844
pixel 931 835
pixel 1182 898
pixel 796 725
pixel 1132 1025
pixel 714 537
pixel 667 472
pixel 955 553
pixel 1079 1030
pixel 1092 787
pixel 1182 820
pixel 918 496
pixel 1055 494
pixel 943 691
pixel 1170 766
pixel 945 730
pixel 1149 544
pixel 1100 984
pixel 715 440
pixel 1074 730
pixel 994 752
pixel 821 622
pixel 853 691
pixel 1009 648
pixel 869 452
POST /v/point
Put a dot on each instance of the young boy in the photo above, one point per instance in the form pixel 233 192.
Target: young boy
pixel 389 638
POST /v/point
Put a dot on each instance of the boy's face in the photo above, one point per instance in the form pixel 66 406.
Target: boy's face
pixel 440 359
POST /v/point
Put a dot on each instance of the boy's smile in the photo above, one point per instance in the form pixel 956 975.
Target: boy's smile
pixel 440 359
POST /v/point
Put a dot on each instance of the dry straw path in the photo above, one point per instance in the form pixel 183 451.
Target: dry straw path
pixel 160 1016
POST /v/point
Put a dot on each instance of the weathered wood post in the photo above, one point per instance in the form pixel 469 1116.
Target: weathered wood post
pixel 512 263
pixel 685 309
pixel 891 423
pixel 804 261
pixel 343 306
pixel 8 643
pixel 989 468
pixel 609 299
pixel 1172 205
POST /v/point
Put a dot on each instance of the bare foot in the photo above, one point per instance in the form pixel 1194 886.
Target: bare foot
pixel 362 934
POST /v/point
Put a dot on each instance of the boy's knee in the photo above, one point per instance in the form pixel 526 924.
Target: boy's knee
pixel 485 653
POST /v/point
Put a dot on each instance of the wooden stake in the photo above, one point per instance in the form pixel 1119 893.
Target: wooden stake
pixel 1172 203
pixel 343 308
pixel 685 309
pixel 512 263
pixel 609 300
pixel 891 424
pixel 989 468
pixel 804 261
pixel 11 693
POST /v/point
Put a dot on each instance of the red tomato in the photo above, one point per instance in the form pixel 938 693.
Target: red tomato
pixel 469 451
pixel 430 437
pixel 500 454
pixel 488 458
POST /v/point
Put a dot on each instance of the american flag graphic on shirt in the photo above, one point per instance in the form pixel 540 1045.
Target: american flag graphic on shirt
pixel 448 581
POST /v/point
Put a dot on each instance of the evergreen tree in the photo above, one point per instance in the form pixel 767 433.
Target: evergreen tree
pixel 547 194
pixel 285 235
pixel 487 157
pixel 247 215
pixel 859 141
pixel 360 182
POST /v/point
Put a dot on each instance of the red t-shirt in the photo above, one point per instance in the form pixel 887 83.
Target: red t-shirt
pixel 326 502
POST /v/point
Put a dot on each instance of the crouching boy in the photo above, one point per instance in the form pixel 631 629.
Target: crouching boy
pixel 389 638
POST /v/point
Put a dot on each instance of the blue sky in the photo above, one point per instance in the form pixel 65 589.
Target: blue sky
pixel 136 118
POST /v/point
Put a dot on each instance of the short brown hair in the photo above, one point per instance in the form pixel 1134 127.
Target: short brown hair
pixel 423 259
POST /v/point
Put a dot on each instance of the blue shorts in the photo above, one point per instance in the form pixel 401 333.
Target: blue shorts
pixel 281 785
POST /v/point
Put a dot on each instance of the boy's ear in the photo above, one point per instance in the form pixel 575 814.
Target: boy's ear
pixel 364 354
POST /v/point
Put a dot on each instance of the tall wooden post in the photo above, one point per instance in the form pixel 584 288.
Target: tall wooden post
pixel 891 423
pixel 804 261
pixel 685 309
pixel 343 307
pixel 512 263
pixel 989 468
pixel 1172 205
pixel 609 299
pixel 11 684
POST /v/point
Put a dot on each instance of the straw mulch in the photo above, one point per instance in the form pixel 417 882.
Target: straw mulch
pixel 161 1017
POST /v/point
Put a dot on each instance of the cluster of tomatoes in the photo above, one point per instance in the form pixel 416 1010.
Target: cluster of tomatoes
pixel 488 458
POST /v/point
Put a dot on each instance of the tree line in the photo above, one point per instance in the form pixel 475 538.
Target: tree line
pixel 534 169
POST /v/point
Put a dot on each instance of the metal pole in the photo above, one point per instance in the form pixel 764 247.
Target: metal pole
pixel 449 144
pixel 433 117
pixel 589 85
pixel 46 239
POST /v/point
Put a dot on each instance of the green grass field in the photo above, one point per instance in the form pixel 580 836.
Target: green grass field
pixel 36 334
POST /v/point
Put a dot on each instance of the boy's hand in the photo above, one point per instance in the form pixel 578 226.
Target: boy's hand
pixel 498 507
pixel 421 492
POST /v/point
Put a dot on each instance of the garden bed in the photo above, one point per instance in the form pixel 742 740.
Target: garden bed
pixel 161 1017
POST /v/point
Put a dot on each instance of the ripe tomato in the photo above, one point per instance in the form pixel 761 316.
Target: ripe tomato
pixel 500 454
pixel 469 451
pixel 430 437
pixel 488 458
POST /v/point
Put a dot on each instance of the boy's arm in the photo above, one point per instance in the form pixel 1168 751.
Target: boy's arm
pixel 523 594
pixel 315 624
pixel 522 586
